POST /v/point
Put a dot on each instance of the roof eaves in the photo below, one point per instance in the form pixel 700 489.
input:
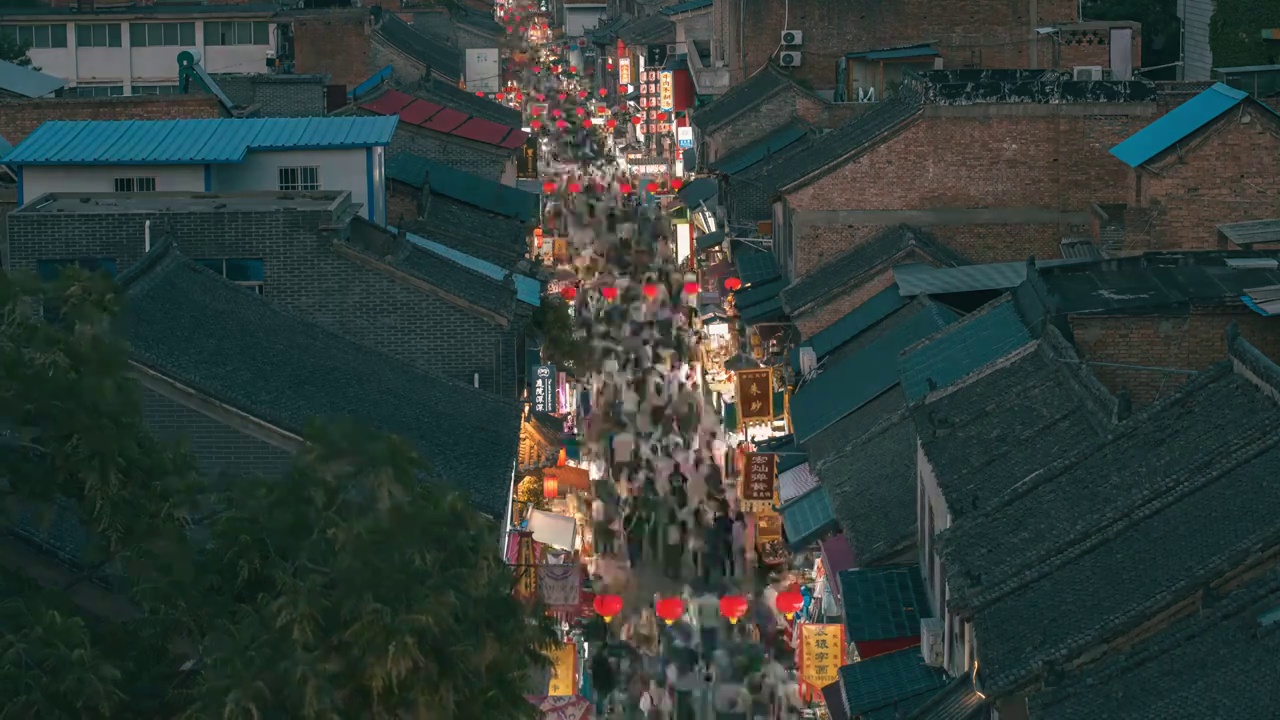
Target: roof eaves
pixel 878 137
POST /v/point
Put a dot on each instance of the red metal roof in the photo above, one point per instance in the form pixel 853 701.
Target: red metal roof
pixel 419 112
pixel 389 103
pixel 515 139
pixel 480 130
pixel 446 121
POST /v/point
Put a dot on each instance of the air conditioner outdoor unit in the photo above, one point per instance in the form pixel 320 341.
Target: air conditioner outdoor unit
pixel 672 49
pixel 790 58
pixel 792 37
pixel 1086 72
pixel 808 361
pixel 931 641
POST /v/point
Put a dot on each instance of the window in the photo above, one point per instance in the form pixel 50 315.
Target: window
pixel 155 89
pixel 248 273
pixel 236 33
pixel 162 34
pixel 135 184
pixel 99 90
pixel 299 178
pixel 50 270
pixel 98 35
pixel 35 36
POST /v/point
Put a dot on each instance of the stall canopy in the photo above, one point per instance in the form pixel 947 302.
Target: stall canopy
pixel 553 529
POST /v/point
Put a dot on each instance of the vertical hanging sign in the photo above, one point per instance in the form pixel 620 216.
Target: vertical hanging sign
pixel 544 389
pixel 564 670
pixel 666 91
pixel 759 477
pixel 526 569
pixel 822 653
pixel 755 396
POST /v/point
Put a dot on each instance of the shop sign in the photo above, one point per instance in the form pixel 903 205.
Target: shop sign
pixel 564 670
pixel 544 389
pixel 624 70
pixel 666 91
pixel 560 250
pixel 761 476
pixel 526 569
pixel 755 396
pixel 822 653
pixel 684 136
pixel 768 528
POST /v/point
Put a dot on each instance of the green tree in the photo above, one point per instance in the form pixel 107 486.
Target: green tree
pixel 13 51
pixel 554 325
pixel 1161 28
pixel 1235 33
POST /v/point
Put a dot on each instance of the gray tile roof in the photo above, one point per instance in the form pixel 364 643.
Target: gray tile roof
pixel 757 151
pixel 1217 663
pixel 471 230
pixel 824 151
pixel 954 352
pixel 236 347
pixel 959 701
pixel 442 57
pixel 742 97
pixel 886 681
pixel 867 464
pixel 441 272
pixel 652 30
pixel 502 201
pixel 1000 427
pixel 884 603
pixel 842 273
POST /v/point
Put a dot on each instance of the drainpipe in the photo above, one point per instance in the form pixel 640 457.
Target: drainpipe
pixel 146 237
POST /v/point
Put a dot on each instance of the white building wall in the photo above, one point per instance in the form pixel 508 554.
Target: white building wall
pixel 38 180
pixel 339 170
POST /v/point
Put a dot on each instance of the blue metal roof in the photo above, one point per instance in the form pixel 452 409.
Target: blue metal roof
pixel 1177 124
pixel 528 290
pixel 5 147
pixel 26 82
pixel 876 308
pixel 191 142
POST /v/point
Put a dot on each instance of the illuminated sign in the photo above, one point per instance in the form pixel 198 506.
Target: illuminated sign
pixel 666 91
pixel 624 71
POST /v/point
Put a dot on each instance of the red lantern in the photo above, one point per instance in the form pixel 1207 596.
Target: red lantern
pixel 789 602
pixel 535 124
pixel 562 124
pixel 733 607
pixel 556 112
pixel 479 93
pixel 650 290
pixel 499 97
pixel 602 109
pixel 535 110
pixel 562 96
pixel 676 183
pixel 568 293
pixel 605 91
pixel 607 606
pixel 652 187
pixel 662 117
pixel 609 293
pixel 581 112
pixel 574 69
pixel 537 69
pixel 624 188
pixel 519 97
pixel 563 459
pixel 690 288
pixel 575 187
pixel 670 609
pixel 636 120
pixel 548 187
pixel 550 487
pixel 556 69
pixel 733 284
pixel 611 123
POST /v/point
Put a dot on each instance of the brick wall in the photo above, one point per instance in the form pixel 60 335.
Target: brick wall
pixel 765 117
pixel 487 161
pixel 18 118
pixel 1036 167
pixel 1091 46
pixel 1189 342
pixel 981 33
pixel 276 95
pixel 1222 174
pixel 811 323
pixel 337 43
pixel 302 272
pixel 218 448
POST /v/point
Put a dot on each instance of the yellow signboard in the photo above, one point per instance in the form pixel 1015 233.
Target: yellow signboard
pixel 821 653
pixel 666 90
pixel 624 71
pixel 564 667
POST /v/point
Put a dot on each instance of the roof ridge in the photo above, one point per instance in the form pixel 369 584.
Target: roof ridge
pixel 1121 519
pixel 139 271
pixel 410 247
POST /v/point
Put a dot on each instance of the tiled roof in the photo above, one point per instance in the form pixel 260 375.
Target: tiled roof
pixel 758 293
pixel 867 464
pixel 1169 129
pixel 888 680
pixel 742 97
pixel 687 6
pixel 955 351
pixel 754 266
pixel 867 257
pixel 447 120
pixel 850 383
pixel 754 152
pixel 1218 662
pixel 440 56
pixel 825 151
pixel 501 241
pixel 489 195
pixel 876 308
pixel 190 142
pixel 884 603
pixel 698 191
pixel 959 701
pixel 234 346
pixel 1249 233
pixel 652 30
pixel 528 290
pixel 444 273
pixel 807 518
pixel 609 31
pixel 450 95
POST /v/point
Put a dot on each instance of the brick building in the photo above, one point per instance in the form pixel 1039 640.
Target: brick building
pixel 350 45
pixel 966 34
pixel 18 118
pixel 428 305
pixel 447 134
pixel 263 95
pixel 1211 161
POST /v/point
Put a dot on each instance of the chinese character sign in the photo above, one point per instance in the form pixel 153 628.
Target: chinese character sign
pixel 564 667
pixel 821 653
pixel 666 91
pixel 760 474
pixel 526 569
pixel 544 389
pixel 755 395
pixel 624 71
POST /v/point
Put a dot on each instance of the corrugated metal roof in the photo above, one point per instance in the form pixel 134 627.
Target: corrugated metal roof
pixel 1177 124
pixel 27 82
pixel 754 265
pixel 191 142
pixel 876 308
pixel 489 195
pixel 528 290
pixel 1263 300
pixel 1252 233
pixel 807 517
pixel 710 240
pixel 796 482
pixel 439 118
pixel 5 147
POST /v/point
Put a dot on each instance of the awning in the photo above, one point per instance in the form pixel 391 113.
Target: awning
pixel 553 529
pixel 770 311
pixel 754 265
pixel 900 53
pixel 796 482
pixel 710 240
pixel 884 603
pixel 807 518
pixel 698 191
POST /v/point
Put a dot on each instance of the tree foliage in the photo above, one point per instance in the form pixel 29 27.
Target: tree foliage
pixel 1161 28
pixel 553 323
pixel 14 52
pixel 346 588
pixel 1235 33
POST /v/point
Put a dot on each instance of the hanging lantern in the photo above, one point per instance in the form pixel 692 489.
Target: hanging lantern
pixel 789 602
pixel 562 459
pixel 556 112
pixel 605 91
pixel 535 110
pixel 562 96
pixel 652 187
pixel 581 111
pixel 650 290
pixel 733 284
pixel 535 124
pixel 624 188
pixel 582 94
pixel 479 93
pixel 691 288
pixel 537 69
pixel 733 607
pixel 676 183
pixel 636 120
pixel 548 187
pixel 607 606
pixel 569 292
pixel 575 187
pixel 562 124
pixel 550 487
pixel 670 609
pixel 500 97
pixel 602 109
pixel 611 123
pixel 610 293
pixel 519 97
pixel 573 70
pixel 662 117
